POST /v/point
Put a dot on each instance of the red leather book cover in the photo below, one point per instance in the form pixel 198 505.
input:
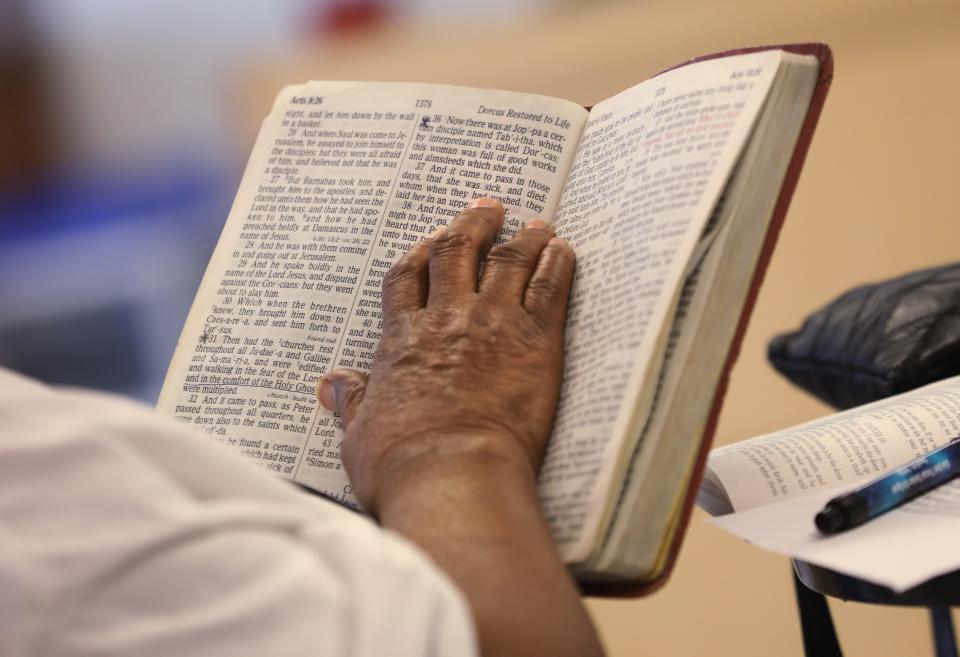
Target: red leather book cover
pixel 824 54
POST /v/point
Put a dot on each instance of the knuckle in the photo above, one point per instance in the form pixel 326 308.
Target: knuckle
pixel 481 321
pixel 545 288
pixel 452 241
pixel 452 323
pixel 513 252
pixel 535 337
pixel 401 271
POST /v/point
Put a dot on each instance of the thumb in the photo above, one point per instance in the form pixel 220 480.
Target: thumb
pixel 342 391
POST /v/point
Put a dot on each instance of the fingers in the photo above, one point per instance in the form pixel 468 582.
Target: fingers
pixel 509 266
pixel 405 285
pixel 342 391
pixel 455 253
pixel 546 294
pixel 534 269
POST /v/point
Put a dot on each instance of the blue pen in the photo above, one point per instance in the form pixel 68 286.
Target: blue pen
pixel 891 490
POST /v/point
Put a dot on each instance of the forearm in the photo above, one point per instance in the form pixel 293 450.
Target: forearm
pixel 478 517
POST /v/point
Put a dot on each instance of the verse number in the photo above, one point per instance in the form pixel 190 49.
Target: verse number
pixel 423 102
pixel 660 92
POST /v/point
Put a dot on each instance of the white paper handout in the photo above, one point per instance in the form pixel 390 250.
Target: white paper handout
pixel 900 549
pixel 767 490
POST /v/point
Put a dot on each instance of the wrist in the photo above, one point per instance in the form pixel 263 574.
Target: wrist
pixel 449 468
pixel 474 510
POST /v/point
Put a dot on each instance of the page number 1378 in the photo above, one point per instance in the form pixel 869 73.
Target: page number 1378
pixel 423 102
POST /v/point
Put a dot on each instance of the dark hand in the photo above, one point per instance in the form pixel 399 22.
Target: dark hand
pixel 467 368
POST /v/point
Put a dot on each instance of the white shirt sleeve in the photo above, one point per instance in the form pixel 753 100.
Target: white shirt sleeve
pixel 124 534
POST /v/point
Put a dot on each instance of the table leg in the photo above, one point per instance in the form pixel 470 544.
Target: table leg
pixel 819 635
pixel 944 639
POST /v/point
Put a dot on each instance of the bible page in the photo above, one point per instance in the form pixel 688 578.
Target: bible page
pixel 344 178
pixel 652 164
pixel 855 445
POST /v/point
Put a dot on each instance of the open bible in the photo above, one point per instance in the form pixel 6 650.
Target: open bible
pixel 671 193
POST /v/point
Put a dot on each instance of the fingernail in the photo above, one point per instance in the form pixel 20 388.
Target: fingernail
pixel 485 202
pixel 535 223
pixel 436 233
pixel 326 394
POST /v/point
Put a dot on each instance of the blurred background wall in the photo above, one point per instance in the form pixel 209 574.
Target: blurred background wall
pixel 124 125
